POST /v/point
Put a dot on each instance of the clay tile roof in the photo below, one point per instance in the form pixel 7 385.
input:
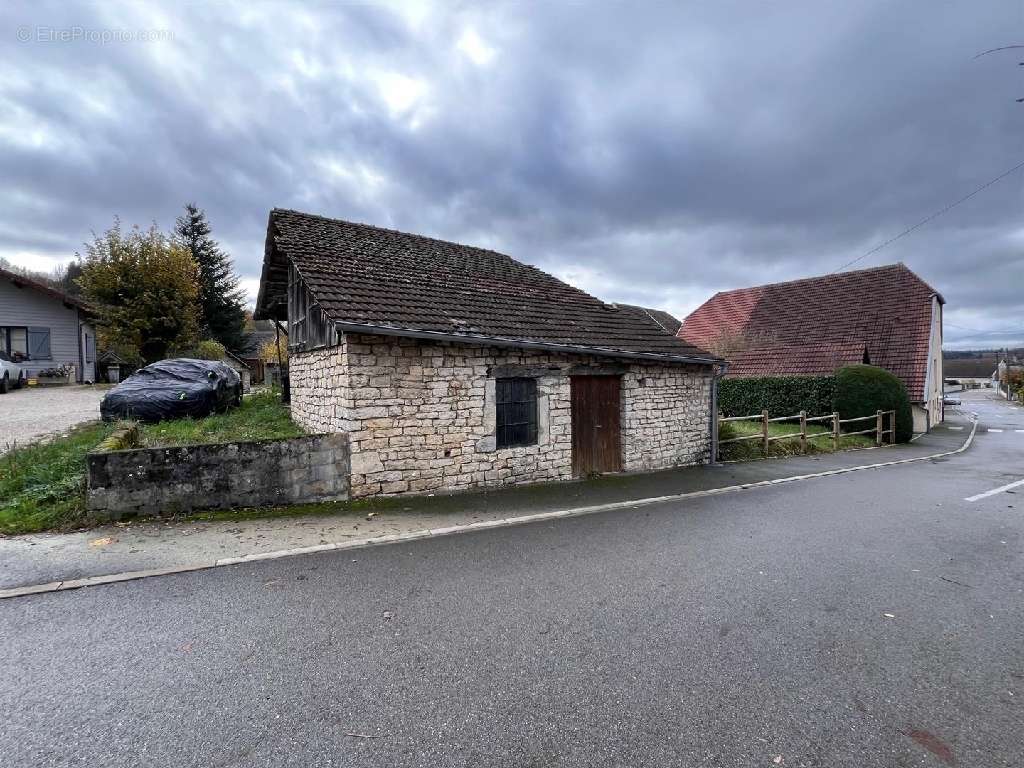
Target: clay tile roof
pixel 820 359
pixel 369 278
pixel 886 309
pixel 664 320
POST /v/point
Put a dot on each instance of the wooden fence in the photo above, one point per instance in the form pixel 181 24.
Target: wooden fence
pixel 879 429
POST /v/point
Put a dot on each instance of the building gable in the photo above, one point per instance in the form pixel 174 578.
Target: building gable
pixel 888 310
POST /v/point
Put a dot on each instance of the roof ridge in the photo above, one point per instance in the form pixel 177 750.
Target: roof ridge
pixel 403 233
pixel 815 278
pixel 647 311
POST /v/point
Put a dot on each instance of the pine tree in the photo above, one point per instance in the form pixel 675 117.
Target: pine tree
pixel 69 278
pixel 221 300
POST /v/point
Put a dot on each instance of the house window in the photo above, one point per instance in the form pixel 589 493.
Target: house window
pixel 516 417
pixel 14 341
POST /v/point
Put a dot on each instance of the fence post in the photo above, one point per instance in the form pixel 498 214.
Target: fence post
pixel 878 429
pixel 803 431
pixel 892 427
pixel 835 432
pixel 764 433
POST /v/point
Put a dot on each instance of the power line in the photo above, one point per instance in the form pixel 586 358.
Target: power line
pixel 1000 48
pixel 934 216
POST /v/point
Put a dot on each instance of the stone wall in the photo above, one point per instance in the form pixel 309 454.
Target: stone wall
pixel 155 481
pixel 666 417
pixel 320 395
pixel 420 415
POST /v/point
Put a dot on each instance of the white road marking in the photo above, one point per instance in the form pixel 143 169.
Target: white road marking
pixel 994 491
pixel 993 430
pixel 1021 431
pixel 957 429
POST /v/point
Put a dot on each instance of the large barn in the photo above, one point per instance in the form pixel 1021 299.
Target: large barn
pixel 886 316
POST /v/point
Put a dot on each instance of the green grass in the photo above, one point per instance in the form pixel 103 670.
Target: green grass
pixel 260 417
pixel 748 450
pixel 42 485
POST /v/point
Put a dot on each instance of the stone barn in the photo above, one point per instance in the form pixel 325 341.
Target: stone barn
pixel 452 367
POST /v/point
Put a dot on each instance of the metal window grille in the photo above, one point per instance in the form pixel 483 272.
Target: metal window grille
pixel 516 418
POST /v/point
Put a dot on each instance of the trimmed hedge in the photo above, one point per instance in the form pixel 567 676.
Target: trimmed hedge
pixel 856 390
pixel 779 395
pixel 861 390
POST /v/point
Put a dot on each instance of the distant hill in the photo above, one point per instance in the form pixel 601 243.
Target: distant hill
pixel 974 354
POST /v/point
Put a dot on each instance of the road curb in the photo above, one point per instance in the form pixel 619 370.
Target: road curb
pixel 395 538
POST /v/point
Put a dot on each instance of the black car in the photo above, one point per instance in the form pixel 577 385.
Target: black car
pixel 172 389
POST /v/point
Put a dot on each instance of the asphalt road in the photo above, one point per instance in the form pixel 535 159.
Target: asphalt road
pixel 868 619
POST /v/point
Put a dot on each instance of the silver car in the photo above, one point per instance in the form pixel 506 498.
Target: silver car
pixel 12 375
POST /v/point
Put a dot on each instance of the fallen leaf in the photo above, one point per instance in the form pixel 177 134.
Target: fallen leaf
pixel 933 744
pixel 102 542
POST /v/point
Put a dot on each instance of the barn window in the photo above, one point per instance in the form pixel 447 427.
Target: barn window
pixel 516 417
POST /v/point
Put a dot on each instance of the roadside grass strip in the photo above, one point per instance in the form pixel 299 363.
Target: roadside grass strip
pixel 60 586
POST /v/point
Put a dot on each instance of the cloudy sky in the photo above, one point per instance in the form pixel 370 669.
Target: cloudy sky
pixel 648 153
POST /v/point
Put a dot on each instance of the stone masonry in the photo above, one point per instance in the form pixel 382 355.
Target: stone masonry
pixel 420 415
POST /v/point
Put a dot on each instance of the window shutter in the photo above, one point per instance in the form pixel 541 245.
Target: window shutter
pixel 39 343
pixel 90 348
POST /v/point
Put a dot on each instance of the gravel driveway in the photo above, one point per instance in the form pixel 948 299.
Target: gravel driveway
pixel 33 412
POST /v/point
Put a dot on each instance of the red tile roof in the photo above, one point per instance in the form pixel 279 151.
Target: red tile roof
pixel 887 310
pixel 798 360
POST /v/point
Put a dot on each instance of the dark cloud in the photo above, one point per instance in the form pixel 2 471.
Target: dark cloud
pixel 651 154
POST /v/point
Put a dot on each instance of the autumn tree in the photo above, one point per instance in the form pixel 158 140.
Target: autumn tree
pixel 274 350
pixel 144 289
pixel 221 300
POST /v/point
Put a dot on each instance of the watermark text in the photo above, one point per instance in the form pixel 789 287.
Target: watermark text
pixel 92 35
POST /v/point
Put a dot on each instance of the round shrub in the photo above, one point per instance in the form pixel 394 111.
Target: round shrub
pixel 861 390
pixel 209 349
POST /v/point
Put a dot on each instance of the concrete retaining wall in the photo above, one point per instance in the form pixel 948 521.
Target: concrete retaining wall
pixel 155 481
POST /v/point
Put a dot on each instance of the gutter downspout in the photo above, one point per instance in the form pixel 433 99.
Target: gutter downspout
pixel 713 427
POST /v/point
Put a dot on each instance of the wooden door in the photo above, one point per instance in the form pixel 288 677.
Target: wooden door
pixel 596 442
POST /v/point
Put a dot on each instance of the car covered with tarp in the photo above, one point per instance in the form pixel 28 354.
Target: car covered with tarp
pixel 174 389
